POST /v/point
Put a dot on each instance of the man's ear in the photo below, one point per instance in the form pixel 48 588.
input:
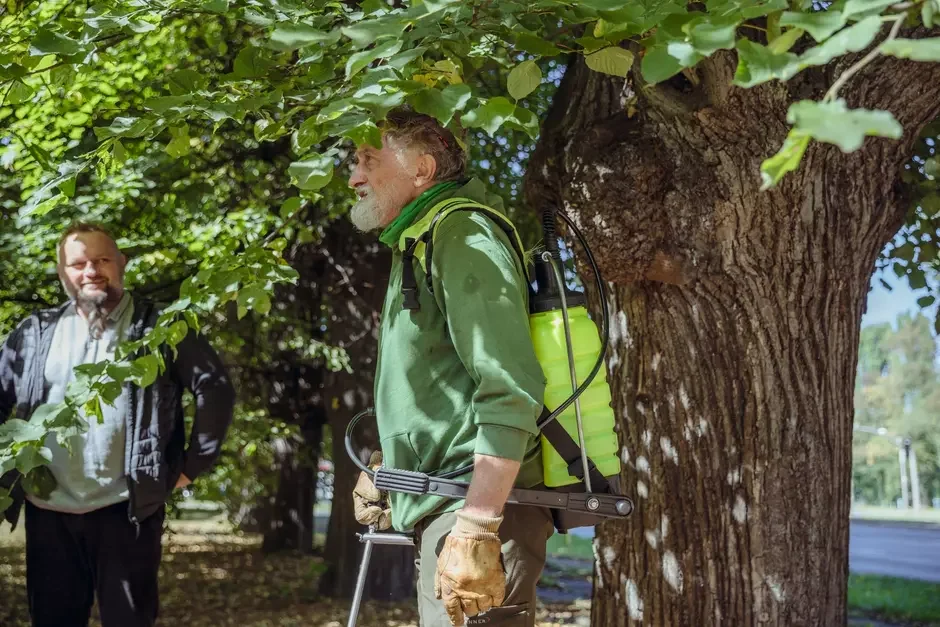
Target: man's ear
pixel 426 170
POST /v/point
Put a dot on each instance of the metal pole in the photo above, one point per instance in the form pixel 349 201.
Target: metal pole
pixel 902 464
pixel 915 476
pixel 360 584
pixel 559 278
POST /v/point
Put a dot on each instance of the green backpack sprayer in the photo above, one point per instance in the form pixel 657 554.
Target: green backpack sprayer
pixel 580 460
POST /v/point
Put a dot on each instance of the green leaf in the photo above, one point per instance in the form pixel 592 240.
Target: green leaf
pixel 144 370
pixel 163 104
pixel 859 7
pixel 926 301
pixel 177 332
pixel 19 92
pixel 185 82
pixel 400 60
pixel 110 392
pixel 758 64
pixel 613 60
pixel 360 60
pixel 124 127
pixel 290 206
pixel 49 42
pixel 905 252
pixel 289 36
pixel 785 41
pixel 916 279
pixel 745 9
pixel 311 174
pixel 441 104
pixel 708 37
pixel 367 32
pixel 834 123
pixel 179 145
pixel 215 6
pixel 490 116
pixel 928 11
pixel 32 456
pixel 40 482
pixel 536 45
pixel 92 408
pixel 658 65
pixel 524 79
pixel 16 430
pixel 5 501
pixel 252 62
pixel 820 24
pixel 914 49
pixel 786 160
pixel 253 297
pixel 852 39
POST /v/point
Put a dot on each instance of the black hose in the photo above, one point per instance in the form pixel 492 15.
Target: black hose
pixel 349 446
pixel 551 244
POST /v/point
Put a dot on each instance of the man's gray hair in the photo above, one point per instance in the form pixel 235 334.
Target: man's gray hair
pixel 421 131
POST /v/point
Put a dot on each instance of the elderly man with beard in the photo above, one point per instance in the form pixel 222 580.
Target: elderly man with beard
pixel 99 531
pixel 457 382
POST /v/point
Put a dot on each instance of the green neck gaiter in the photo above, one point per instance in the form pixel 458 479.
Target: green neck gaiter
pixel 412 210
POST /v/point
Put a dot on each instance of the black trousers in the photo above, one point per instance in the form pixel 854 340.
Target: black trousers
pixel 72 557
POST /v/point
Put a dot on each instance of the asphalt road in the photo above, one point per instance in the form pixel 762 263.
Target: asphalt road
pixel 895 550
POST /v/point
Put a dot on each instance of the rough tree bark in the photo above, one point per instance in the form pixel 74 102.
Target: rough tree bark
pixel 735 327
pixel 356 271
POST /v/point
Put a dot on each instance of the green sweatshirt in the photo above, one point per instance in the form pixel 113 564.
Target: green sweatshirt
pixel 458 376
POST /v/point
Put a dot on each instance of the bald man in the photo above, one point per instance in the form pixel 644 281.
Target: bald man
pixel 98 533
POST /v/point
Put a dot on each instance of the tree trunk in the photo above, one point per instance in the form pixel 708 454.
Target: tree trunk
pixel 735 327
pixel 290 523
pixel 360 285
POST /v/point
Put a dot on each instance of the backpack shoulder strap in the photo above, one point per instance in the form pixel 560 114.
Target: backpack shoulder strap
pixel 417 241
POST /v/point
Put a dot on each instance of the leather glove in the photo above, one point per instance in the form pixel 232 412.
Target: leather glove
pixel 371 505
pixel 470 578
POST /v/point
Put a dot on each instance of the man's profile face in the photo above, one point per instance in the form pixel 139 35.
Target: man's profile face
pixel 91 269
pixel 384 181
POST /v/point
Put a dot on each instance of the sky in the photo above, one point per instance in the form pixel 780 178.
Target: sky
pixel 884 306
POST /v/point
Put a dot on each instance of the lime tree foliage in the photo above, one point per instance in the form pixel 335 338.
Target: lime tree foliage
pixel 214 135
pixel 898 390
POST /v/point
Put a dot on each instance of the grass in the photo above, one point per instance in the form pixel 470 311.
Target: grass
pixel 570 545
pixel 892 598
pixel 868 512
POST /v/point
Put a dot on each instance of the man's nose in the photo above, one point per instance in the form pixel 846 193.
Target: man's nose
pixel 356 178
pixel 91 269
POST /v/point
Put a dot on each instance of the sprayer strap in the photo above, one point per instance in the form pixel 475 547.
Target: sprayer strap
pixel 569 450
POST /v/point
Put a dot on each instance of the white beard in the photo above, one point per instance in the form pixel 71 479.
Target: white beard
pixel 369 213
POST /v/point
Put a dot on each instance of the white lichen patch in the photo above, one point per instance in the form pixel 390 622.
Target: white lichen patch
pixel 775 588
pixel 664 527
pixel 634 602
pixel 734 477
pixel 739 511
pixel 687 433
pixel 647 438
pixel 669 451
pixel 642 464
pixel 609 556
pixel 652 538
pixel 640 407
pixel 702 427
pixel 671 571
pixel 642 490
pixel 683 397
pixel 595 546
pixel 603 171
pixel 655 363
pixel 625 455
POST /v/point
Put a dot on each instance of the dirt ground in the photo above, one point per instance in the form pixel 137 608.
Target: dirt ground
pixel 212 578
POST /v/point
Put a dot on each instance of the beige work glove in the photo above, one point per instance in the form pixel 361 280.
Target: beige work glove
pixel 371 504
pixel 470 578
